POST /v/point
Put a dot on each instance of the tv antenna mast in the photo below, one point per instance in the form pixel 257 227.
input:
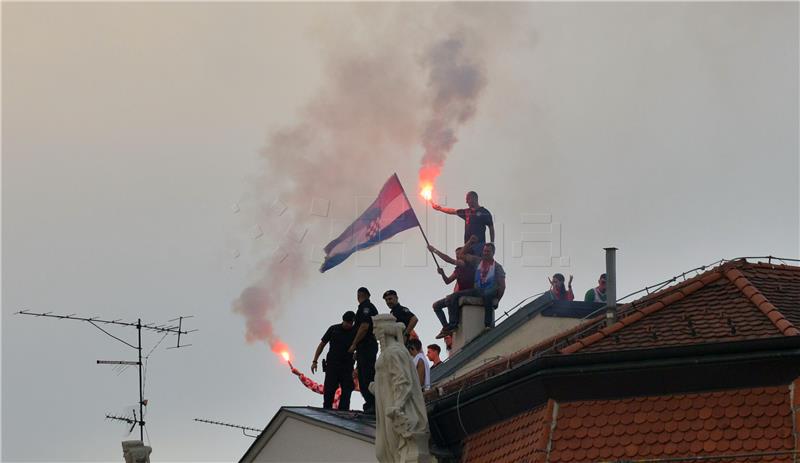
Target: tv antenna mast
pixel 220 423
pixel 166 329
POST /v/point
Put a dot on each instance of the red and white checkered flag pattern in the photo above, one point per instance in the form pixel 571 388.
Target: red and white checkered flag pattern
pixel 373 229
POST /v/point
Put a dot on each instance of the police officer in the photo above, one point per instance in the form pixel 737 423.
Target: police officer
pixel 365 346
pixel 402 314
pixel 338 365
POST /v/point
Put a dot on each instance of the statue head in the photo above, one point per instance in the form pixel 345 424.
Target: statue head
pixel 387 329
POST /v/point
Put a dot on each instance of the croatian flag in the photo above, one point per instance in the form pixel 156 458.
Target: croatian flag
pixel 390 214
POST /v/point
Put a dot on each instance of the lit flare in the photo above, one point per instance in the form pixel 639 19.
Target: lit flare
pixel 427 192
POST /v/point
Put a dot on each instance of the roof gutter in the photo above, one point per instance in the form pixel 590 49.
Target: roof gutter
pixel 610 361
pixel 544 370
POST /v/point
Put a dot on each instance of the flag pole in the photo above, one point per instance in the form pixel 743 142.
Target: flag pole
pixel 418 224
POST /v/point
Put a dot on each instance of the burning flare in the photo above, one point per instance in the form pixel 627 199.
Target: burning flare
pixel 427 192
pixel 282 350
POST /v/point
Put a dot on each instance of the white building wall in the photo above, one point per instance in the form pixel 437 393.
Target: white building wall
pixel 298 441
pixel 533 332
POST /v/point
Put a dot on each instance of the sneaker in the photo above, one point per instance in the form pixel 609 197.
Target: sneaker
pixel 442 334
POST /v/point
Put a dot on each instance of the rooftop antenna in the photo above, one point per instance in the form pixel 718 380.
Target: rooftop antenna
pixel 219 423
pixel 166 329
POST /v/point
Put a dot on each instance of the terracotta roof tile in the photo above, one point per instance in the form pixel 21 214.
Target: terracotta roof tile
pixel 512 440
pixel 686 426
pixel 737 301
pixel 610 430
pixel 780 284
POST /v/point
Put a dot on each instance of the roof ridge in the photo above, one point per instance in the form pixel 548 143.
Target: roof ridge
pixel 761 302
pixel 675 295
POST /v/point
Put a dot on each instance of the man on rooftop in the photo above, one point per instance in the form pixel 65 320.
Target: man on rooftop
pixel 434 354
pixel 598 293
pixel 365 346
pixel 489 283
pixel 464 276
pixel 476 220
pixel 401 313
pixel 338 366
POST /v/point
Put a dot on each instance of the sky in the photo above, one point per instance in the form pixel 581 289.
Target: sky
pixel 161 158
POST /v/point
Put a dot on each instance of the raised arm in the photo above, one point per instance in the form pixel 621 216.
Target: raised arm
pixel 446 210
pixel 444 256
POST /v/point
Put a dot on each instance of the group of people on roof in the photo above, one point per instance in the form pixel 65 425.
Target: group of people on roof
pixel 353 349
pixel 560 291
pixel 476 272
pixel 350 362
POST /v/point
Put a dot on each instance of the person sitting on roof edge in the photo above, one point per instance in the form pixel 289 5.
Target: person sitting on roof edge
pixel 489 283
pixel 464 275
pixel 598 293
pixel 557 289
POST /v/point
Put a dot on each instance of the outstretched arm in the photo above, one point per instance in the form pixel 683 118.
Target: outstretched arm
pixel 446 210
pixel 444 256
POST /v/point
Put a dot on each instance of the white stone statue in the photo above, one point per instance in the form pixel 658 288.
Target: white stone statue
pixel 401 419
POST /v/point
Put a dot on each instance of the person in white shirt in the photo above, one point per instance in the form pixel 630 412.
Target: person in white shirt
pixel 420 363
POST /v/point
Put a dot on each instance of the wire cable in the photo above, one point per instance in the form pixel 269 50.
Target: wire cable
pixel 118 339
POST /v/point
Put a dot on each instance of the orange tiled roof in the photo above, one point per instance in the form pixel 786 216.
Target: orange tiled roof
pixel 720 423
pixel 736 301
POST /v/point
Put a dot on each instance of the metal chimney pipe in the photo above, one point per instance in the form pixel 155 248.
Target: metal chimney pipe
pixel 611 285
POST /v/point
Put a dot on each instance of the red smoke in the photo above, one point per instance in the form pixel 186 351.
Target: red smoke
pixel 280 348
pixel 427 180
pixel 456 79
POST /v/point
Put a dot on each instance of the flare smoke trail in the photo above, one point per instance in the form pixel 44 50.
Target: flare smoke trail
pixel 456 81
pixel 374 109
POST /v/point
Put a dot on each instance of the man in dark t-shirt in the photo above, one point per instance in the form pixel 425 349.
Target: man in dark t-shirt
pixel 365 346
pixel 476 220
pixel 338 363
pixel 402 314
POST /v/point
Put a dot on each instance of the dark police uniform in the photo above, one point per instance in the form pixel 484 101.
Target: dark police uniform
pixel 402 314
pixel 339 366
pixel 366 351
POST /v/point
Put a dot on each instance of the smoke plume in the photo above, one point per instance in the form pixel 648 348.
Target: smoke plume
pixel 383 96
pixel 456 79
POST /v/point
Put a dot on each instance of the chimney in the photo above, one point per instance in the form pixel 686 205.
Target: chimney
pixel 611 285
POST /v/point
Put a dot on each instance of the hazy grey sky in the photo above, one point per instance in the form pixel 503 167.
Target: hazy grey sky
pixel 134 178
